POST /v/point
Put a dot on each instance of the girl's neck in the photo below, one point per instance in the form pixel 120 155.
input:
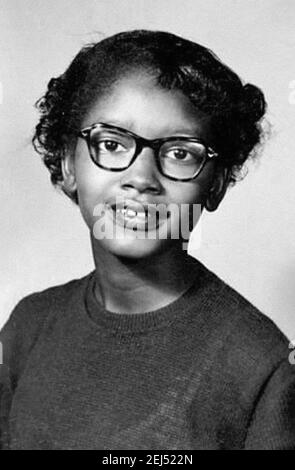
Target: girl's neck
pixel 125 285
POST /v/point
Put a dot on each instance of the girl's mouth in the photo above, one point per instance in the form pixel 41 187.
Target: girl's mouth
pixel 137 217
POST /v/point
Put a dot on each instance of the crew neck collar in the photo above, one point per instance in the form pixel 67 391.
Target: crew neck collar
pixel 137 322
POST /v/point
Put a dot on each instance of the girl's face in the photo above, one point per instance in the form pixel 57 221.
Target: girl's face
pixel 137 104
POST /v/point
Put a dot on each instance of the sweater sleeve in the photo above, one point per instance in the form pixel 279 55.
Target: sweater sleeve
pixel 17 338
pixel 5 385
pixel 272 426
pixel 8 371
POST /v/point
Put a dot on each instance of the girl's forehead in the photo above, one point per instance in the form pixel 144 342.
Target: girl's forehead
pixel 139 104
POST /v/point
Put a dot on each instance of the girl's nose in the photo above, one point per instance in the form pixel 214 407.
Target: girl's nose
pixel 143 174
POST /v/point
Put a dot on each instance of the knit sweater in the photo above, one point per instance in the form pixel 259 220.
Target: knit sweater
pixel 208 371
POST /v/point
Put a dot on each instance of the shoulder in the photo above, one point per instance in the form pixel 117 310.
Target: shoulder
pixel 237 326
pixel 38 305
pixel 29 316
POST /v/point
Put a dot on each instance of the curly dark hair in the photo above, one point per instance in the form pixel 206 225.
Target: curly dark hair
pixel 235 109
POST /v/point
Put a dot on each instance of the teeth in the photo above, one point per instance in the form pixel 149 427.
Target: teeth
pixel 131 213
pixel 141 215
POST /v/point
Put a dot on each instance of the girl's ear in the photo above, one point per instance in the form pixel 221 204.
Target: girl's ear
pixel 218 189
pixel 69 185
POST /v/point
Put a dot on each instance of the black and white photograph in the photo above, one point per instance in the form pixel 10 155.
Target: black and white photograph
pixel 147 280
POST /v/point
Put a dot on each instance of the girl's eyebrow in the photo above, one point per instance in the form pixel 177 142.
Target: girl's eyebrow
pixel 128 125
pixel 194 131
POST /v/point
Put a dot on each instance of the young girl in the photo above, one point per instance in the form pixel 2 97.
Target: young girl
pixel 151 350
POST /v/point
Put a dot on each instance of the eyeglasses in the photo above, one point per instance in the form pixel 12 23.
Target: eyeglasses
pixel 179 158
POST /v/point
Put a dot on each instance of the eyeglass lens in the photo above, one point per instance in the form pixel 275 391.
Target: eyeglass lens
pixel 115 150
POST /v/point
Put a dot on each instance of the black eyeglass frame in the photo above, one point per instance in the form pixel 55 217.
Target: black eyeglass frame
pixel 141 143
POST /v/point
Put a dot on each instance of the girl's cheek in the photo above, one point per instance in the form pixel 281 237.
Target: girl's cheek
pixel 188 194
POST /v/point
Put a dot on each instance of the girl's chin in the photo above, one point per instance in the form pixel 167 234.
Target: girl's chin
pixel 134 248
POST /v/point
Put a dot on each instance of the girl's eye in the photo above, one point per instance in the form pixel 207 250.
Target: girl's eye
pixel 110 146
pixel 179 154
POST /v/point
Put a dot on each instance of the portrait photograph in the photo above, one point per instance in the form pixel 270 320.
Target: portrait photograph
pixel 147 280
